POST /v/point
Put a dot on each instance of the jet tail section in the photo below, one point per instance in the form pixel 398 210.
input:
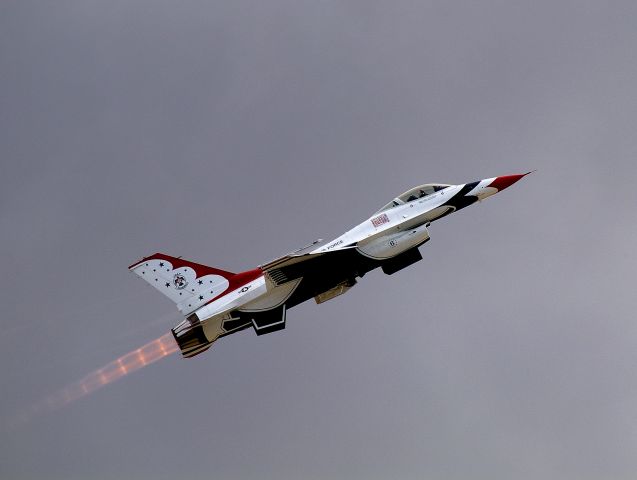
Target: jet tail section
pixel 191 337
pixel 189 285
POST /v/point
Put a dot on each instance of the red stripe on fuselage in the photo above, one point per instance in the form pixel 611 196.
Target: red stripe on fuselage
pixel 199 269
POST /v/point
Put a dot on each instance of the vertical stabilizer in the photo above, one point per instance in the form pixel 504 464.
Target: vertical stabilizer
pixel 190 285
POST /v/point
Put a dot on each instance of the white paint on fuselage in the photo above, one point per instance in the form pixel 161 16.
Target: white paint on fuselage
pixel 251 297
pixel 401 217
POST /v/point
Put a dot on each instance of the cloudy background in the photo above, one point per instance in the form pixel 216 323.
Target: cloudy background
pixel 233 132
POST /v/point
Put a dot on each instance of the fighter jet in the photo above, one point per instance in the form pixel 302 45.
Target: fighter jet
pixel 217 303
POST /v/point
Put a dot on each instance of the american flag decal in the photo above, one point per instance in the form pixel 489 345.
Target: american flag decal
pixel 380 219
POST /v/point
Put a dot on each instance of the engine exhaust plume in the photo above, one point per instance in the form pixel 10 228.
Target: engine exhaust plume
pixel 118 368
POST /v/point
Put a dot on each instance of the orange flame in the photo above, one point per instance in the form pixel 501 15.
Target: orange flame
pixel 132 361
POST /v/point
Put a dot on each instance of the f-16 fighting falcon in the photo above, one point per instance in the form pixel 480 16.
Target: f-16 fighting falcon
pixel 217 303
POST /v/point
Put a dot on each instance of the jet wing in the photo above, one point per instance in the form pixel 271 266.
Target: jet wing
pixel 288 267
pixel 302 263
pixel 275 269
pixel 294 254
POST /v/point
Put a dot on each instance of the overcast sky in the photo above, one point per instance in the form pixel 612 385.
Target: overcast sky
pixel 233 132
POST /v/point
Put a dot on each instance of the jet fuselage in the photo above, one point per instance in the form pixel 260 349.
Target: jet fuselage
pixel 217 303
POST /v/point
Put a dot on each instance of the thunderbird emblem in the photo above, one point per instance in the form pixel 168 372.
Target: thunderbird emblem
pixel 179 281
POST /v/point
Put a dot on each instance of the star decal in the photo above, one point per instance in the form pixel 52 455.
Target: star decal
pixel 167 284
pixel 161 264
pixel 200 282
pixel 200 297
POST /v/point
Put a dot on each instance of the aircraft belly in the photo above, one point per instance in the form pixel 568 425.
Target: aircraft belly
pixel 316 282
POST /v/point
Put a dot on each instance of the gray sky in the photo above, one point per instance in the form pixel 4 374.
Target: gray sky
pixel 233 132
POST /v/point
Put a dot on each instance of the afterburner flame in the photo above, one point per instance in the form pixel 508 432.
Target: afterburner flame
pixel 132 361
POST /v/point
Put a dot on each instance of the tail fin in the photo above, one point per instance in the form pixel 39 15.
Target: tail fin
pixel 190 285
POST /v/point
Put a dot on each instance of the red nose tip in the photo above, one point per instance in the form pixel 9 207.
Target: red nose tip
pixel 506 181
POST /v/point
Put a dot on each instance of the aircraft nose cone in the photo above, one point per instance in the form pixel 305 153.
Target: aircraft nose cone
pixel 506 181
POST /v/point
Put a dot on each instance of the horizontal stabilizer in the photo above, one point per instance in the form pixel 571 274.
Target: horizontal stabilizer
pixel 269 321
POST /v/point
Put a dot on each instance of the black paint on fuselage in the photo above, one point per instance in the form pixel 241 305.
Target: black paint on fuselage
pixel 327 271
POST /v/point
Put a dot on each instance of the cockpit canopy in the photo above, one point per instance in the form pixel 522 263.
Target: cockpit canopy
pixel 414 194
